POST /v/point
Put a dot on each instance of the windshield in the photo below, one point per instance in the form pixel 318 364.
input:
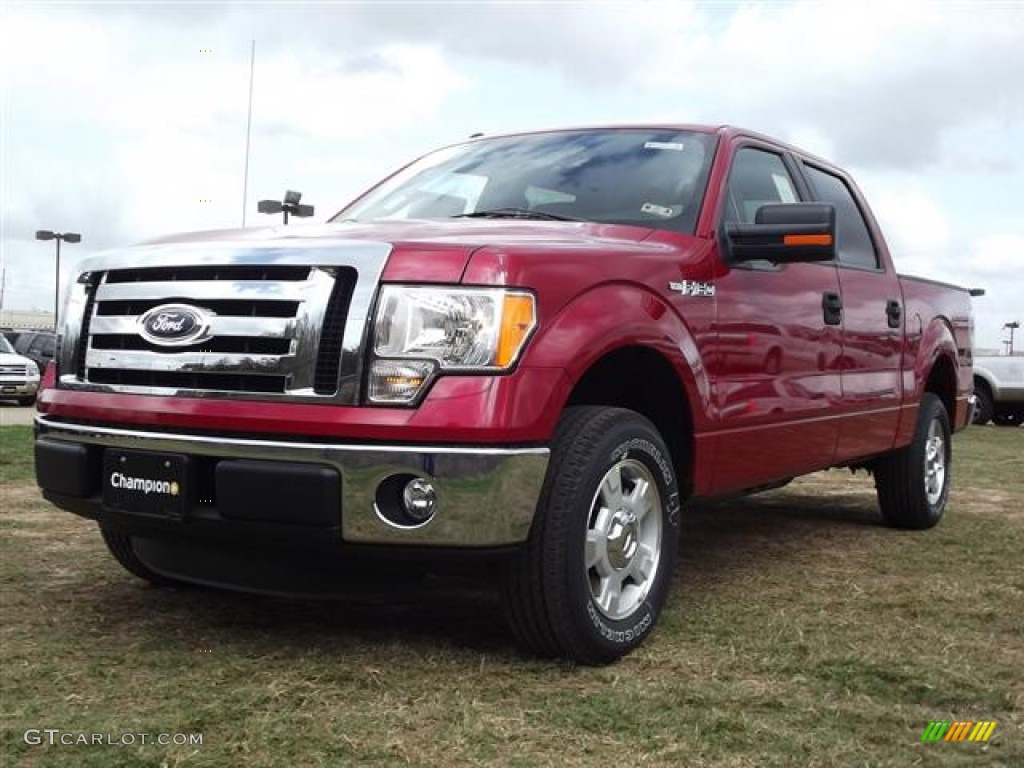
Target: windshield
pixel 5 346
pixel 650 177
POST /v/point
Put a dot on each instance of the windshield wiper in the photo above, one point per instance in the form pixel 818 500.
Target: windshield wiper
pixel 513 213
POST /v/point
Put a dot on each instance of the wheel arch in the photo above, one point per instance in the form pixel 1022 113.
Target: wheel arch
pixel 652 389
pixel 938 370
pixel 616 327
pixel 941 382
pixel 988 379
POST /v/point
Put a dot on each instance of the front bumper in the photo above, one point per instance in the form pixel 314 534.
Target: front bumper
pixel 18 388
pixel 486 495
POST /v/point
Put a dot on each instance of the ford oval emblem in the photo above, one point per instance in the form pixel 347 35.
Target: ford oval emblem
pixel 174 325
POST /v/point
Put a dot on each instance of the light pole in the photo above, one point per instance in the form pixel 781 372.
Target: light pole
pixel 67 237
pixel 1011 327
pixel 290 204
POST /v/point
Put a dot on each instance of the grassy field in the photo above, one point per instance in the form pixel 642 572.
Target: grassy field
pixel 800 632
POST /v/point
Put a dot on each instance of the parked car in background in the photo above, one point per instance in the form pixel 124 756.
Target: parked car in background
pixel 19 376
pixel 999 389
pixel 37 346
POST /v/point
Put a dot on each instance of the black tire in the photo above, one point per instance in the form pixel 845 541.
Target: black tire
pixel 549 588
pixel 120 546
pixel 24 401
pixel 1008 417
pixel 984 408
pixel 913 482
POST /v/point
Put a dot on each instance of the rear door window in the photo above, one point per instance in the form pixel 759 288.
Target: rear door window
pixel 854 245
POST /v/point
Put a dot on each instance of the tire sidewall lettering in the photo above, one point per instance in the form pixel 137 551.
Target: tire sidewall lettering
pixel 623 451
pixel 633 628
pixel 621 636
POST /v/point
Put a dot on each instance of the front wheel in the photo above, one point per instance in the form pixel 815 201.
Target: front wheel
pixel 913 482
pixel 984 407
pixel 121 547
pixel 592 578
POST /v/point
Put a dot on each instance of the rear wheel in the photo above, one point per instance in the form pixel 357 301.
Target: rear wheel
pixel 913 482
pixel 592 578
pixel 120 546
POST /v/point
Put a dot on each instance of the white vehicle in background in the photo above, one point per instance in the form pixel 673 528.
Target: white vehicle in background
pixel 19 376
pixel 999 389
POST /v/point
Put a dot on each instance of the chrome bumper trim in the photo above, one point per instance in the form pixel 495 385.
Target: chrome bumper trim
pixel 487 496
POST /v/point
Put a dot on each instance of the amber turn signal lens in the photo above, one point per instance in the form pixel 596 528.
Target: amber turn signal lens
pixel 807 239
pixel 518 317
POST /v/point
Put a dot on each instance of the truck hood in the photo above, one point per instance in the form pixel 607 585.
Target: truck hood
pixel 431 233
pixel 7 358
pixel 440 250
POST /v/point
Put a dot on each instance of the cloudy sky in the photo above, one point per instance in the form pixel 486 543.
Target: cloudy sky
pixel 124 121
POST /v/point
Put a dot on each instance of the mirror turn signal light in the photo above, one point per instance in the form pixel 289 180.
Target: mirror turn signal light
pixel 807 240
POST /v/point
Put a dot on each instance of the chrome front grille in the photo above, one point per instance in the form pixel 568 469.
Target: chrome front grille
pixel 287 330
pixel 13 370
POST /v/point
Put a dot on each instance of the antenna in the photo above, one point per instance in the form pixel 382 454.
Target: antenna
pixel 248 131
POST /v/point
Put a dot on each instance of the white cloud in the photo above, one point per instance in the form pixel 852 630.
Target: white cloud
pixel 998 255
pixel 117 125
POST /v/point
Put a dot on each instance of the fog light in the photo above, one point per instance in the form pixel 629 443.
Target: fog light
pixel 419 499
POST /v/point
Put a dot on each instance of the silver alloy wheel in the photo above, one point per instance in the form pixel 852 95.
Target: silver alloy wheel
pixel 934 463
pixel 624 532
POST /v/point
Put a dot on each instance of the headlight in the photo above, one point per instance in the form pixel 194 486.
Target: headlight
pixel 419 331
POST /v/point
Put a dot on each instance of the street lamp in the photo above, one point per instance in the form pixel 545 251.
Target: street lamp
pixel 67 237
pixel 289 205
pixel 1011 327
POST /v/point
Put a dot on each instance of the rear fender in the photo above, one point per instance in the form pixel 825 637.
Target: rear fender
pixel 936 342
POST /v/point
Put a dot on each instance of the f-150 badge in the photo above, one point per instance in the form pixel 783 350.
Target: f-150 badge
pixel 692 288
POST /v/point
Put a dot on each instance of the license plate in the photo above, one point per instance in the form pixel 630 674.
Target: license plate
pixel 145 483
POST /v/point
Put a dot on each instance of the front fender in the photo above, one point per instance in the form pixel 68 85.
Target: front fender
pixel 615 315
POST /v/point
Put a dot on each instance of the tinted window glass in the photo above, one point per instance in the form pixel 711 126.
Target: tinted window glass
pixel 853 240
pixel 652 178
pixel 46 346
pixel 757 178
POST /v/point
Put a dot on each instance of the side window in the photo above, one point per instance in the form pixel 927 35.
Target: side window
pixel 756 178
pixel 46 348
pixel 853 240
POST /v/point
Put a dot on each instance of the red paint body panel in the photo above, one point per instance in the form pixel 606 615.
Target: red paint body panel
pixel 470 409
pixel 772 391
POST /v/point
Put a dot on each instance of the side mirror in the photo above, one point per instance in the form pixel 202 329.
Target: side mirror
pixel 785 233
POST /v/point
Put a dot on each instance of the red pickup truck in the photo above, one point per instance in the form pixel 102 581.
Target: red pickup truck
pixel 529 350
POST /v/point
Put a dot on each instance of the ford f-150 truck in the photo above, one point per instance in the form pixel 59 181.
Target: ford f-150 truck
pixel 526 350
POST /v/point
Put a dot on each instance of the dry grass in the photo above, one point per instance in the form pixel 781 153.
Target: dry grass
pixel 799 632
